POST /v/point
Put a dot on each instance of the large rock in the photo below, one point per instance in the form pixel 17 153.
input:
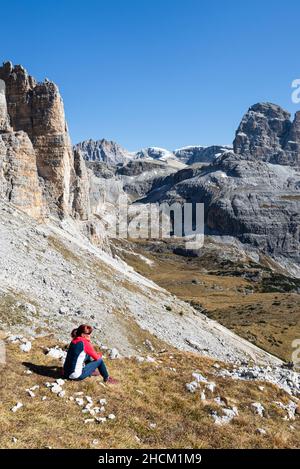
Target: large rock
pixel 267 133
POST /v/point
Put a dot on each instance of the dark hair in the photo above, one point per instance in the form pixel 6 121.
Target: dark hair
pixel 83 329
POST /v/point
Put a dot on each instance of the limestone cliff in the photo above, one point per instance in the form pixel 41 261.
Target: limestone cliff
pixel 19 181
pixel 37 109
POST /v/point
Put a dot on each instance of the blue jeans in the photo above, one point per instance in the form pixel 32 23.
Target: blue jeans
pixel 92 366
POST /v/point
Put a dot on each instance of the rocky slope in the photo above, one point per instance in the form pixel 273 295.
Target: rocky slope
pixel 51 278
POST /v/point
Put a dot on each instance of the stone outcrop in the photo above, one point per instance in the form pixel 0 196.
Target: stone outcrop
pixel 267 133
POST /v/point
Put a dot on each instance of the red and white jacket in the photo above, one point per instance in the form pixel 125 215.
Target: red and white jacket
pixel 79 350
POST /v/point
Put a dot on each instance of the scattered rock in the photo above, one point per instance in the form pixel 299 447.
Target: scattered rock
pixel 101 419
pixel 218 400
pixel 261 431
pixel 140 359
pixel 16 407
pixel 150 359
pixel 26 347
pixel 29 308
pixel 60 381
pixel 114 354
pixel 258 408
pixel 211 386
pixel 199 378
pixel 192 387
pixel 290 408
pixel 228 415
pixel 56 389
pixel 57 352
pixel 285 379
pixel 79 401
pixel 149 345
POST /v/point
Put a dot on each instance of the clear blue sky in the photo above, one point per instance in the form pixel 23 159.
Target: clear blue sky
pixel 157 72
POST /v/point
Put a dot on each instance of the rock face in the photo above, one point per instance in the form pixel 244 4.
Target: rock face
pixel 19 182
pixel 39 172
pixel 37 109
pixel 103 150
pixel 267 133
pixel 4 118
pixel 255 201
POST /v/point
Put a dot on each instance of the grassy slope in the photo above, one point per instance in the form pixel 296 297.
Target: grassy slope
pixel 269 319
pixel 146 393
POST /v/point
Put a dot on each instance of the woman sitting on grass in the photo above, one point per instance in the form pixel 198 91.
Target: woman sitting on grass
pixel 82 360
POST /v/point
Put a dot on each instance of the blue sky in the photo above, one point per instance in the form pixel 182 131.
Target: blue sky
pixel 157 72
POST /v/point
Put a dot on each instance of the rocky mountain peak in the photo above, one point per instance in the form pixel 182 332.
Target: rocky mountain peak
pixel 103 150
pixel 267 133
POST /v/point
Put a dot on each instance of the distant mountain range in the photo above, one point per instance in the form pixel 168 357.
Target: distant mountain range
pixel 112 153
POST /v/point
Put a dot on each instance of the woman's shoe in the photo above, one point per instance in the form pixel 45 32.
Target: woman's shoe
pixel 111 381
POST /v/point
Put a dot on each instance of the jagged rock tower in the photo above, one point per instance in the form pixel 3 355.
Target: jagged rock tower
pixel 38 170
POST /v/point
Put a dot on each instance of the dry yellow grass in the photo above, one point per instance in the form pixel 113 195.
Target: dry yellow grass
pixel 147 393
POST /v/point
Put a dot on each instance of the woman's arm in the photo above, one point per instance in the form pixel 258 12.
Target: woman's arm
pixel 89 350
